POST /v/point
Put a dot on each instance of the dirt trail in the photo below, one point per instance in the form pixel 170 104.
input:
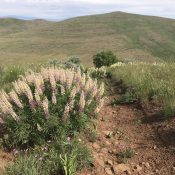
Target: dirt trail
pixel 126 127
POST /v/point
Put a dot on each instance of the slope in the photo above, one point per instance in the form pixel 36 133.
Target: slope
pixel 130 36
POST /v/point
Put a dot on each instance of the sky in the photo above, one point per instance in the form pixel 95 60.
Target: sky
pixel 58 10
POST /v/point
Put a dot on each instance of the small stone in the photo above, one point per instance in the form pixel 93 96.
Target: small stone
pixel 108 143
pixel 128 172
pixel 138 168
pixel 118 132
pixel 108 133
pixel 147 165
pixel 114 151
pixel 108 171
pixel 110 151
pixel 109 162
pixel 116 143
pixel 101 154
pixel 100 162
pixel 105 132
pixel 95 146
pixel 104 150
pixel 120 168
pixel 154 147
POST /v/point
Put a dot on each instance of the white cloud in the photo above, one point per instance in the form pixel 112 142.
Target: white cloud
pixel 61 9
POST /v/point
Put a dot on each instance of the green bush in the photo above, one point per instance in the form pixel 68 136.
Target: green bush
pixel 72 63
pixel 98 73
pixel 43 105
pixel 104 58
pixel 75 60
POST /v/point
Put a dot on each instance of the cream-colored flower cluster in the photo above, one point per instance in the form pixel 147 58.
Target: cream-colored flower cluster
pixel 6 106
pixel 100 72
pixel 134 63
pixel 60 81
pixel 117 64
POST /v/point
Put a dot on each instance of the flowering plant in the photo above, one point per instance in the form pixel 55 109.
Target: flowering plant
pixel 98 72
pixel 41 105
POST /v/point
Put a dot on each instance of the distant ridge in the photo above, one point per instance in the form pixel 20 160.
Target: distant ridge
pixel 130 36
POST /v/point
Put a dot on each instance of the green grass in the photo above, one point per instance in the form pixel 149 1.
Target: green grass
pixel 125 154
pixel 60 157
pixel 148 82
pixel 9 74
pixel 130 36
pixel 26 165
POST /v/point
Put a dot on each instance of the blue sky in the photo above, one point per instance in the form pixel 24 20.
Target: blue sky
pixel 63 9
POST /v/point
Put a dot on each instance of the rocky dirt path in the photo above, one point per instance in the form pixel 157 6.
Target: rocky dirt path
pixel 126 131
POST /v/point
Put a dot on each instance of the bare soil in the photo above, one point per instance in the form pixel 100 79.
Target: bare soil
pixel 140 129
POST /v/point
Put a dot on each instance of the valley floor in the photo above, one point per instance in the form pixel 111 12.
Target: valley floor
pixel 132 129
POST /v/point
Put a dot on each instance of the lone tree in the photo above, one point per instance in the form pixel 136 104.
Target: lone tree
pixel 104 58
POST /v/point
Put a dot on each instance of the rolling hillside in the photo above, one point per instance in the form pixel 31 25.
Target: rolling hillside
pixel 130 36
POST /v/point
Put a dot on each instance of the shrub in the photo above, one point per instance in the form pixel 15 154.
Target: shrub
pixel 104 58
pixel 72 63
pixel 75 60
pixel 42 105
pixel 98 72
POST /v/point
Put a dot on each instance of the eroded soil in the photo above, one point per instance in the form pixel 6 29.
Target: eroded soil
pixel 128 127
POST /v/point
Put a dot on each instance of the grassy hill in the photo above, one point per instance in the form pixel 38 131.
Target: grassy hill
pixel 130 36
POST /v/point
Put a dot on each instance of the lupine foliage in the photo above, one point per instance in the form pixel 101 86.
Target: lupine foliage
pixel 41 105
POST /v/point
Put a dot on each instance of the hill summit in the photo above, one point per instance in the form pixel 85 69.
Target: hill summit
pixel 130 36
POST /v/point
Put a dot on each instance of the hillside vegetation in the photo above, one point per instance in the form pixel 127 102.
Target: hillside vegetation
pixel 53 116
pixel 131 37
pixel 147 83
